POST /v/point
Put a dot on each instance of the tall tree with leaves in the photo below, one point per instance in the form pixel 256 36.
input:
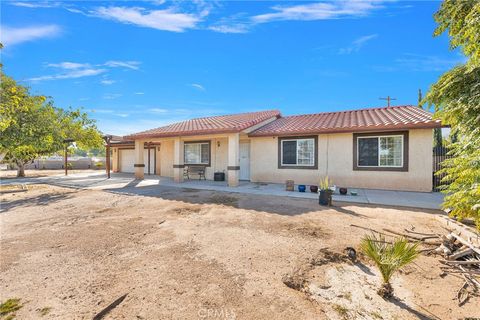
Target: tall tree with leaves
pixel 456 97
pixel 30 125
pixel 437 132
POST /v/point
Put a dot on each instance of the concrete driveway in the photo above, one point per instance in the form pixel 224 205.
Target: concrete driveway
pixel 121 182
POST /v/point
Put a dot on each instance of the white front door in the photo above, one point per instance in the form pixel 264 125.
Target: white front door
pixel 244 160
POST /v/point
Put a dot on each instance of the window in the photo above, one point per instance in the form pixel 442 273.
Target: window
pixel 197 153
pixel 381 152
pixel 298 152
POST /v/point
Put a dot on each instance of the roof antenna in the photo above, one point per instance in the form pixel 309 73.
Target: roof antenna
pixel 388 98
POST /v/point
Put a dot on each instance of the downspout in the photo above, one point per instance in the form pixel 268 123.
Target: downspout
pixel 326 169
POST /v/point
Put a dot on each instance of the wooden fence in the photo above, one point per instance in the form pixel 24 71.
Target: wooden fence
pixel 439 154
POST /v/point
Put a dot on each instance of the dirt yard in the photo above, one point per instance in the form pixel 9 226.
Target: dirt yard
pixel 189 254
pixel 32 173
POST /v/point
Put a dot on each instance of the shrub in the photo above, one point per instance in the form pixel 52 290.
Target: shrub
pixel 389 257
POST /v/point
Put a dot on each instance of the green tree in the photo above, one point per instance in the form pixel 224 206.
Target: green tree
pixel 437 137
pixel 30 125
pixel 437 132
pixel 456 97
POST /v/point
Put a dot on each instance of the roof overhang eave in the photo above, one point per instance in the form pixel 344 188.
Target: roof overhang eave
pixel 180 134
pixel 430 125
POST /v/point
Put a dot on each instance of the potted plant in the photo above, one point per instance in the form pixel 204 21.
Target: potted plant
pixel 301 188
pixel 314 189
pixel 325 195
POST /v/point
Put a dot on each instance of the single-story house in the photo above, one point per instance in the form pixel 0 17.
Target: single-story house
pixel 378 148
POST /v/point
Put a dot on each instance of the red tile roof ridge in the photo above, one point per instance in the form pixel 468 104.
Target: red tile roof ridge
pixel 357 110
pixel 236 114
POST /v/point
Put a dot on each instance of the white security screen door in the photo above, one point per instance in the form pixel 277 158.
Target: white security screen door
pixel 244 160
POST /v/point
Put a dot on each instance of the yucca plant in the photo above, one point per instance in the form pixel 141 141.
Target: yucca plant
pixel 324 184
pixel 389 257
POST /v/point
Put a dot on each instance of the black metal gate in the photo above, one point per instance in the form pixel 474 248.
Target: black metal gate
pixel 439 154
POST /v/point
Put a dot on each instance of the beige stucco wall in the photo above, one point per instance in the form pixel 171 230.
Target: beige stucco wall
pixel 335 159
pixel 115 160
pixel 165 158
pixel 218 155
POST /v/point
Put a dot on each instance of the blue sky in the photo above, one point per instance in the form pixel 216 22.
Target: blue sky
pixel 144 64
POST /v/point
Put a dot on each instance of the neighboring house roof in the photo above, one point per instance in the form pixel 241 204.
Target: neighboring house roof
pixel 209 125
pixel 371 119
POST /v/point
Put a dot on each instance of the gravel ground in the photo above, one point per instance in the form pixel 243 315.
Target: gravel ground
pixel 192 254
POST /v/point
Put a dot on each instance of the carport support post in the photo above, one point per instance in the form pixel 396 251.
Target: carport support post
pixel 107 139
pixel 233 159
pixel 178 161
pixel 139 163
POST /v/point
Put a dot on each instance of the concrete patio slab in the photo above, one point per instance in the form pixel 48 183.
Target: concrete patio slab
pixel 122 182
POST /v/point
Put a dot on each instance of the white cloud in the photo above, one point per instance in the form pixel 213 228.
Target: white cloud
pixel 70 75
pixel 233 28
pixel 31 4
pixel 78 70
pixel 416 62
pixel 11 36
pixel 158 2
pixel 198 86
pixel 107 82
pixel 111 96
pixel 157 110
pixel 140 93
pixel 167 20
pixel 69 65
pixel 421 63
pixel 134 65
pixel 357 44
pixel 319 11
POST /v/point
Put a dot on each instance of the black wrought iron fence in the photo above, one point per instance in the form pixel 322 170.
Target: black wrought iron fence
pixel 439 155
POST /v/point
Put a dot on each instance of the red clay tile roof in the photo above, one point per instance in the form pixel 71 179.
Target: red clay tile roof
pixel 209 125
pixel 372 119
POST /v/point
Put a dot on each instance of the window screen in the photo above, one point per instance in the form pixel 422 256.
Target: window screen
pixel 298 152
pixel 289 152
pixel 382 151
pixel 368 151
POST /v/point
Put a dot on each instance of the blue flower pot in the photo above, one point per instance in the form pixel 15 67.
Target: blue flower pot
pixel 301 188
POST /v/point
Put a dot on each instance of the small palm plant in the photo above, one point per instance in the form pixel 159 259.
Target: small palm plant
pixel 324 184
pixel 389 257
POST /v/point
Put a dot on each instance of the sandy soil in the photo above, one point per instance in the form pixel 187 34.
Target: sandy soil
pixel 33 173
pixel 190 254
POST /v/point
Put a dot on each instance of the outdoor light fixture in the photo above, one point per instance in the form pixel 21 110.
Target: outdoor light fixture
pixel 218 144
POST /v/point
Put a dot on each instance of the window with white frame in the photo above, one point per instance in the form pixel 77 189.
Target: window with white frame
pixel 298 152
pixel 380 151
pixel 197 153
